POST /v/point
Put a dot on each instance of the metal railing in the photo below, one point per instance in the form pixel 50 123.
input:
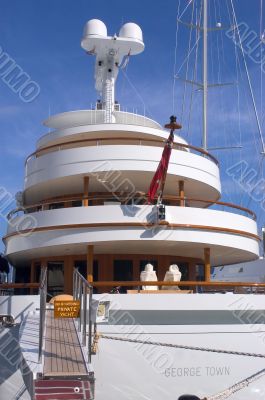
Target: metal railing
pixel 43 300
pixel 82 289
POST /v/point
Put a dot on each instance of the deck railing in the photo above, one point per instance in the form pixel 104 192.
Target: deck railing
pixel 138 284
pixel 119 141
pixel 207 285
pixel 82 289
pixel 7 289
pixel 138 198
pixel 43 301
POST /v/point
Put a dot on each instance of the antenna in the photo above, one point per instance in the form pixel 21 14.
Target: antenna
pixel 109 52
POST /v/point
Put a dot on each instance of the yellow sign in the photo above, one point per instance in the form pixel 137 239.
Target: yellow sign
pixel 66 308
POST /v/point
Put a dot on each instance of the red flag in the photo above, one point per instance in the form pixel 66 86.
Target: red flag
pixel 160 175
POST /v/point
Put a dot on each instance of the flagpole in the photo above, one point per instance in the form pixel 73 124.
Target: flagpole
pixel 172 126
pixel 159 179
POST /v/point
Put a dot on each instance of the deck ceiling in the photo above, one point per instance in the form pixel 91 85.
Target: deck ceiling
pixel 220 255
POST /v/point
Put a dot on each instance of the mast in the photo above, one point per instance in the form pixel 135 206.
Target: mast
pixel 205 73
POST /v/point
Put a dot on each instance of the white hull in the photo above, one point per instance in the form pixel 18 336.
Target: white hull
pixel 123 372
pixel 126 370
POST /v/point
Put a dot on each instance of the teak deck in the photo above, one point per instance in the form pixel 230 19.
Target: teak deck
pixel 62 353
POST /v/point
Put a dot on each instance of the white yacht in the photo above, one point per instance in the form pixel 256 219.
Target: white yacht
pixel 84 207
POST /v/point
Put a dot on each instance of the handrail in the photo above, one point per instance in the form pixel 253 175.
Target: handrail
pixel 81 288
pixel 123 197
pixel 43 300
pixel 141 141
pixel 198 285
pixel 174 283
pixel 143 225
pixel 19 285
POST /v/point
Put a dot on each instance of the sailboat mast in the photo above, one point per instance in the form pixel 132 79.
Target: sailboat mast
pixel 205 72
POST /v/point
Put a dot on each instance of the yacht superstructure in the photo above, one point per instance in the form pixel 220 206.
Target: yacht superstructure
pixel 85 206
pixel 86 184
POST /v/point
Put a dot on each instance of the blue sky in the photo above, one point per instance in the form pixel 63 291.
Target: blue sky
pixel 43 37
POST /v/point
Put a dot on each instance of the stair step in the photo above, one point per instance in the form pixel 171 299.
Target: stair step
pixel 56 389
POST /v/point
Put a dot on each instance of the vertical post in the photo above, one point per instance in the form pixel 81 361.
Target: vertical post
pixel 135 268
pixel 80 299
pixel 84 314
pixel 90 260
pixel 90 325
pixel 74 285
pixel 32 275
pixel 205 72
pixel 181 194
pixel 68 273
pixel 192 271
pixel 86 185
pixel 207 264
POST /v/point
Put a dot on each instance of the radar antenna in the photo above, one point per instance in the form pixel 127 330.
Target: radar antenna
pixel 109 52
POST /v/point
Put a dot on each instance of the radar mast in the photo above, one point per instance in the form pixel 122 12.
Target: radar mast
pixel 109 52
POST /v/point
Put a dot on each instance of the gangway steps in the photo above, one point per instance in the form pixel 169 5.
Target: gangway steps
pixel 63 355
pixel 62 389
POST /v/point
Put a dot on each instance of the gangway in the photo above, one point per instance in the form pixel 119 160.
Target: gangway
pixel 65 347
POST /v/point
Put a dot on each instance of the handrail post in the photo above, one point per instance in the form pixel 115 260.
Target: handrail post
pixel 84 313
pixel 80 290
pixel 90 324
pixel 75 285
pixel 80 299
pixel 43 295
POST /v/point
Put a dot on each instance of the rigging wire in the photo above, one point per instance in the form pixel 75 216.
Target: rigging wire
pixel 210 45
pixel 179 16
pixel 194 76
pixel 185 59
pixel 137 93
pixel 217 41
pixel 261 54
pixel 175 61
pixel 248 78
pixel 261 71
pixel 238 107
pixel 185 9
pixel 187 67
pixel 259 169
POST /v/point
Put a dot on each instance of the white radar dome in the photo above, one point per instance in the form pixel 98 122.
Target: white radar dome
pixel 93 28
pixel 132 31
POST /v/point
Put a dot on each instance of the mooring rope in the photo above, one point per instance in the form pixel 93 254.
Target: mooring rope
pixel 185 347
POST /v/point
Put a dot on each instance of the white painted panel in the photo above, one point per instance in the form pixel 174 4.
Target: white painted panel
pixel 225 247
pixel 137 159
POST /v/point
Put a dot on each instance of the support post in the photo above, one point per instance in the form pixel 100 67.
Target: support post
pixel 89 263
pixel 32 274
pixel 86 185
pixel 181 194
pixel 207 264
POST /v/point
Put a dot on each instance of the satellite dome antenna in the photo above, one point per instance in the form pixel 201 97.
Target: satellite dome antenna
pixel 109 52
